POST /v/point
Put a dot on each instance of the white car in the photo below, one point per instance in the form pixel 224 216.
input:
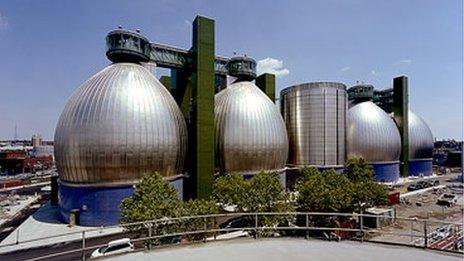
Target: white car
pixel 114 247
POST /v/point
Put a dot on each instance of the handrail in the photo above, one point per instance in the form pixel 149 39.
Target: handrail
pixel 232 214
pixel 255 215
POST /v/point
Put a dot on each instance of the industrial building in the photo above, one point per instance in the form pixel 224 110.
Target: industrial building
pixel 198 123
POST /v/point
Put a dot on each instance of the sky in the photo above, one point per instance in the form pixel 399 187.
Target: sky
pixel 49 48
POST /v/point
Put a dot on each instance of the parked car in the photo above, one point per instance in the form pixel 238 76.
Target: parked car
pixel 459 244
pixel 444 232
pixel 433 183
pixel 114 247
pixel 415 186
pixel 237 222
pixel 447 200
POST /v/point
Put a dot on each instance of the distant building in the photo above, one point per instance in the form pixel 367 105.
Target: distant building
pixel 36 140
pixel 18 161
pixel 448 153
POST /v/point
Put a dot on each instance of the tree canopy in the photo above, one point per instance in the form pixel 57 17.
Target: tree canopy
pixel 333 192
pixel 324 192
pixel 153 198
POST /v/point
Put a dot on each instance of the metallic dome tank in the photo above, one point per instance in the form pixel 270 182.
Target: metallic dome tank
pixel 420 146
pixel 372 134
pixel 119 125
pixel 315 117
pixel 250 132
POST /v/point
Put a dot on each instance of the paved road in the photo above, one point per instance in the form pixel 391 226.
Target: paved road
pixel 42 251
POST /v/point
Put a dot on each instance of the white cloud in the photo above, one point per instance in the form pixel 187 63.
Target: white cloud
pixel 405 61
pixel 345 69
pixel 374 73
pixel 3 22
pixel 271 65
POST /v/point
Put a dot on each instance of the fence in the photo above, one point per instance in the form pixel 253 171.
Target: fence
pixel 390 229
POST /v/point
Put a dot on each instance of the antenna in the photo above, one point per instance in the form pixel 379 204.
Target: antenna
pixel 16 132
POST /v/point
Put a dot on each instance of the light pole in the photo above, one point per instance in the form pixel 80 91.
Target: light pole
pixel 361 219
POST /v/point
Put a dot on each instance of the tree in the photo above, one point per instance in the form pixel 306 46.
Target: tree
pixel 357 169
pixel 324 192
pixel 263 193
pixel 366 190
pixel 153 198
pixel 198 207
pixel 231 190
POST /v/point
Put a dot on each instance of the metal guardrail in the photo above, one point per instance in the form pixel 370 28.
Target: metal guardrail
pixel 208 225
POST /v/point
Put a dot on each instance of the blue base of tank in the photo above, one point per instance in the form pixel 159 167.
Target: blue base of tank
pixel 98 206
pixel 420 167
pixel 386 172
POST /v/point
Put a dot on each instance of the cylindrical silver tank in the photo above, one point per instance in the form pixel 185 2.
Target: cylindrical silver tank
pixel 120 124
pixel 315 117
pixel 250 132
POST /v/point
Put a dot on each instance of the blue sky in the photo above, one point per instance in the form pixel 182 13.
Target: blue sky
pixel 48 48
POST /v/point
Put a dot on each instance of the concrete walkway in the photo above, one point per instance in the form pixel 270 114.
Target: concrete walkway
pixel 287 249
pixel 15 210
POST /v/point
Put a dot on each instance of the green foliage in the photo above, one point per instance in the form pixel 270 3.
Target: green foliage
pixel 231 189
pixel 198 207
pixel 357 169
pixel 263 193
pixel 153 198
pixel 324 192
pixel 333 192
pixel 366 189
pixel 156 199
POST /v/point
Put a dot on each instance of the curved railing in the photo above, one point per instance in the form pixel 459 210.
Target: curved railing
pixel 352 226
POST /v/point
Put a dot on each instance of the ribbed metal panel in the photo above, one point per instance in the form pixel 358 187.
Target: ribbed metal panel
pixel 118 125
pixel 250 132
pixel 372 134
pixel 420 138
pixel 315 117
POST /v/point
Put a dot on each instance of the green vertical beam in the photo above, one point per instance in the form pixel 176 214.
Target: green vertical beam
pixel 400 110
pixel 166 81
pixel 181 90
pixel 266 82
pixel 202 81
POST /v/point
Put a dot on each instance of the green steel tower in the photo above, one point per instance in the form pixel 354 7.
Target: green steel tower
pixel 400 110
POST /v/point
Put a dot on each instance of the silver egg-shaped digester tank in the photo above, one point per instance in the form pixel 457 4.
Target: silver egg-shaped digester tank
pixel 420 146
pixel 372 134
pixel 250 132
pixel 119 125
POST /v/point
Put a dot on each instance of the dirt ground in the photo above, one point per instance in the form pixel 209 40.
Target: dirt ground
pixel 423 206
